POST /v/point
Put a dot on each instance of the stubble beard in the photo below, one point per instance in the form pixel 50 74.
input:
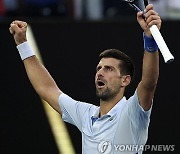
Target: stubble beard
pixel 106 94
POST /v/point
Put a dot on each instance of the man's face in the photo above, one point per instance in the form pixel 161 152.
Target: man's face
pixel 108 78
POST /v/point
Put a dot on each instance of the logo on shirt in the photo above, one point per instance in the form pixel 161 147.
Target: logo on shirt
pixel 105 147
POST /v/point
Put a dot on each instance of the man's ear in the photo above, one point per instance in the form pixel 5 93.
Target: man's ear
pixel 126 80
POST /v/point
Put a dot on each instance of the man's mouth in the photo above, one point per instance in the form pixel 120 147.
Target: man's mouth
pixel 100 84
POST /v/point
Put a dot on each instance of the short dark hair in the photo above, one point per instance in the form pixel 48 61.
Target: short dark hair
pixel 126 65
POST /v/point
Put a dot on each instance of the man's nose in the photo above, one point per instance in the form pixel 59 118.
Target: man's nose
pixel 100 72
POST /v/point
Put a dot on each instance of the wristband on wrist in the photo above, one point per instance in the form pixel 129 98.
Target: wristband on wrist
pixel 25 50
pixel 149 44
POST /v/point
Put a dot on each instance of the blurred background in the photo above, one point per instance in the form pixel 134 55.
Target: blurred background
pixel 69 35
pixel 83 9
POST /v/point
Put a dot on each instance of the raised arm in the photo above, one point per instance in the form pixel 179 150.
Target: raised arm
pixel 38 75
pixel 150 69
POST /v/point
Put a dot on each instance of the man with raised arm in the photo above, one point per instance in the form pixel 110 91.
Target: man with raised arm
pixel 117 122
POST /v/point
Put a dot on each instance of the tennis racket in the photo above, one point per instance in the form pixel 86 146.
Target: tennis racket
pixel 168 57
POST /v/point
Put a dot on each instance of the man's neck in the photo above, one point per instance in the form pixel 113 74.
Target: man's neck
pixel 106 106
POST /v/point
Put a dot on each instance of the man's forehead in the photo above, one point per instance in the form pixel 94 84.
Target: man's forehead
pixel 109 62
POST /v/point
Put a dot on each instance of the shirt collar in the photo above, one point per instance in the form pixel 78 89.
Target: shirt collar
pixel 112 111
pixel 117 107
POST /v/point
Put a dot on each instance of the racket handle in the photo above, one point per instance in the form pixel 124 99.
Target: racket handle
pixel 168 57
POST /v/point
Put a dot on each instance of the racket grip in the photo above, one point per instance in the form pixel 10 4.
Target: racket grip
pixel 168 57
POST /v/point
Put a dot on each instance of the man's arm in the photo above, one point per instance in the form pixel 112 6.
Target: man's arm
pixel 38 75
pixel 150 70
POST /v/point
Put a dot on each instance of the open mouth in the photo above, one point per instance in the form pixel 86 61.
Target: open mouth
pixel 100 84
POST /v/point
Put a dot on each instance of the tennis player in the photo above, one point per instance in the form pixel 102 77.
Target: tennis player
pixel 117 125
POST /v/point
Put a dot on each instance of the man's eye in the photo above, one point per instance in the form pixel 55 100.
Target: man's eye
pixel 98 68
pixel 109 68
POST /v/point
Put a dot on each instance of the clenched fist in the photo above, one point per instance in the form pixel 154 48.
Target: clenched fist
pixel 18 29
pixel 151 18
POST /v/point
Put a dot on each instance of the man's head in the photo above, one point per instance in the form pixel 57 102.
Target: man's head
pixel 114 72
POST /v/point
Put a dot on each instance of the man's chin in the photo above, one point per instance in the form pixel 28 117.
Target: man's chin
pixel 101 96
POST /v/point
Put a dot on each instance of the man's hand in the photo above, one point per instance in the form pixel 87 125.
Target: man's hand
pixel 151 18
pixel 18 29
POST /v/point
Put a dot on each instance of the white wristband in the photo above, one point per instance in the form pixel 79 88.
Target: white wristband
pixel 25 50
